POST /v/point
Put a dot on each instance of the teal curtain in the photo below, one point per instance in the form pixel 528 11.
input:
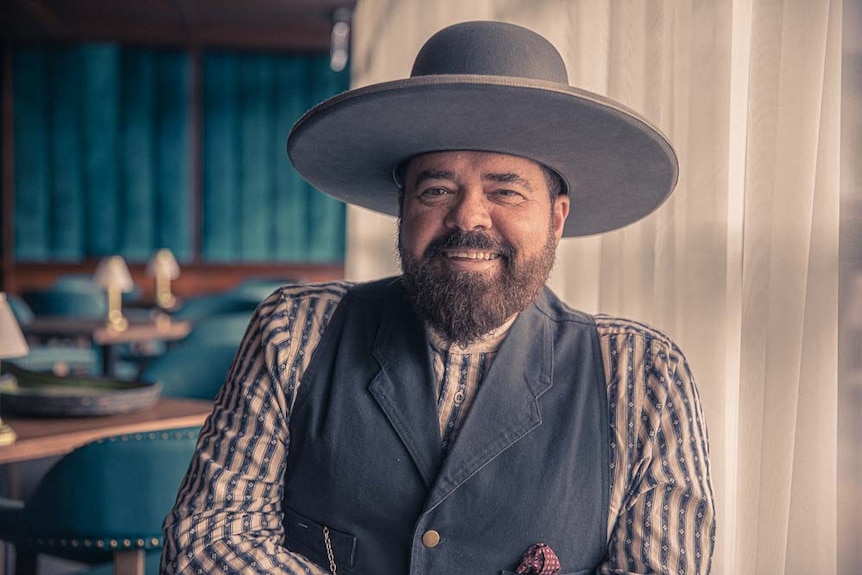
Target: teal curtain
pixel 138 171
pixel 32 169
pixel 326 215
pixel 65 172
pixel 103 161
pixel 255 206
pixel 101 152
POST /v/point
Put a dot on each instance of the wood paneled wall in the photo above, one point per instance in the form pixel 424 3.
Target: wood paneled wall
pixel 195 279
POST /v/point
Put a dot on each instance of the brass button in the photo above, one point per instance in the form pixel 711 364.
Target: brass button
pixel 431 539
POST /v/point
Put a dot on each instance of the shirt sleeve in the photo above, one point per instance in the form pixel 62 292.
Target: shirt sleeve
pixel 228 513
pixel 662 516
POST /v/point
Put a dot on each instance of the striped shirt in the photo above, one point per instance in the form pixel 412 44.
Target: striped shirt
pixel 459 372
pixel 228 513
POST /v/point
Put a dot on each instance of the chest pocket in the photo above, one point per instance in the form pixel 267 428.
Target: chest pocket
pixel 305 536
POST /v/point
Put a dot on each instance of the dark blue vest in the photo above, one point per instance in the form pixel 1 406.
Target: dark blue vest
pixel 530 463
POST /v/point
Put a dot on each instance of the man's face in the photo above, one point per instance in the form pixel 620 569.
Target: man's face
pixel 477 237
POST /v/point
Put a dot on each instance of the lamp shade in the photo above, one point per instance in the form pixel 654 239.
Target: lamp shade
pixel 163 264
pixel 12 342
pixel 112 272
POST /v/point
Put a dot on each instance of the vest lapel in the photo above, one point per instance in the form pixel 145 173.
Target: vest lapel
pixel 404 388
pixel 506 407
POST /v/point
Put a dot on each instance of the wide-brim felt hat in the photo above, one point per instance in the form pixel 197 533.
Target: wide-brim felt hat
pixel 494 87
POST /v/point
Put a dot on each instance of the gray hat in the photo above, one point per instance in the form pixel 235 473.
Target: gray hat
pixel 494 87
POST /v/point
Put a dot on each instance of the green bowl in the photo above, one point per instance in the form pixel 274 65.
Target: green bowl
pixel 31 393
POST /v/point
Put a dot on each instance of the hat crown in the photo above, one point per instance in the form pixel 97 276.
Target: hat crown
pixel 490 49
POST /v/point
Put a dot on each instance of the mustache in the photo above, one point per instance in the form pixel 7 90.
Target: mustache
pixel 469 240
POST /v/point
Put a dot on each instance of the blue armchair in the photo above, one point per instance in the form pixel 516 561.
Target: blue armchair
pixel 190 370
pixel 103 502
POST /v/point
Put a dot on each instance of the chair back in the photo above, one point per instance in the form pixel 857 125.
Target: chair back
pixel 111 493
pixel 59 302
pixel 223 329
pixel 77 282
pixel 191 371
pixel 84 283
pixel 203 306
pixel 258 289
pixel 244 297
pixel 49 357
pixel 22 312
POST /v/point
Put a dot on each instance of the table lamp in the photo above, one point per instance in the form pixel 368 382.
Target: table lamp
pixel 112 273
pixel 12 344
pixel 163 266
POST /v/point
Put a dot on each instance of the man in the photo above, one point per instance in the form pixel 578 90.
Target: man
pixel 460 418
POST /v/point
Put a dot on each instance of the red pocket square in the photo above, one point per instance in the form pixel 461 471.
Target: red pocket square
pixel 539 559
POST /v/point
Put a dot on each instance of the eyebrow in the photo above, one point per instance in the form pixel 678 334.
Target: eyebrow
pixel 508 178
pixel 502 178
pixel 426 175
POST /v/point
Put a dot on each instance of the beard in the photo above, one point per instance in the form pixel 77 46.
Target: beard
pixel 464 306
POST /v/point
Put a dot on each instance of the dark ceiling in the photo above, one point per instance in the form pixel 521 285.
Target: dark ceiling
pixel 296 25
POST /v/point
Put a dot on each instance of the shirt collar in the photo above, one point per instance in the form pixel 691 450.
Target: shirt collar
pixel 489 342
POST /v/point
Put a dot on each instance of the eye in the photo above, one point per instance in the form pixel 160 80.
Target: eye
pixel 507 196
pixel 433 194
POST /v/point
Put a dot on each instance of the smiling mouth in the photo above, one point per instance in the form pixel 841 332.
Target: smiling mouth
pixel 471 255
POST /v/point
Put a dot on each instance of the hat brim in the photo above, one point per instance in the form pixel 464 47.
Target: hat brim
pixel 618 168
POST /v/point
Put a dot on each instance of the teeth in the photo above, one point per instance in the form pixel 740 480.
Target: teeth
pixel 472 255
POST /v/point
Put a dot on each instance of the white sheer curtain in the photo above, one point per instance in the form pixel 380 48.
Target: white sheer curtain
pixel 740 266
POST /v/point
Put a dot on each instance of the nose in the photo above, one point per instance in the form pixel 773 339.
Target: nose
pixel 470 211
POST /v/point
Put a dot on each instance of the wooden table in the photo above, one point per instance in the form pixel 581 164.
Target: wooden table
pixel 101 334
pixel 48 437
